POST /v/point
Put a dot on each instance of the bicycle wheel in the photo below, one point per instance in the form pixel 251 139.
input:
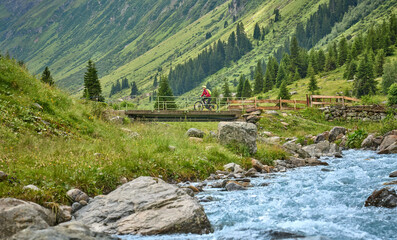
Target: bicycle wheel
pixel 215 107
pixel 198 106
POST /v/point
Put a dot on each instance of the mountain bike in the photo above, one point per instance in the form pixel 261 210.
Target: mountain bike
pixel 201 104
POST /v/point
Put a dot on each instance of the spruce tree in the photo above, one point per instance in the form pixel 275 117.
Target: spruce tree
pixel 392 94
pixel 240 86
pixel 46 77
pixel 277 16
pixel 321 60
pixel 365 83
pixel 247 90
pixel 124 83
pixel 351 70
pixel 257 32
pixel 118 86
pixel 379 61
pixel 258 87
pixel 389 76
pixel 312 88
pixel 155 82
pixel 342 51
pixel 112 90
pixel 225 89
pixel 281 75
pixel 134 89
pixel 268 81
pixel 165 97
pixel 283 92
pixel 92 86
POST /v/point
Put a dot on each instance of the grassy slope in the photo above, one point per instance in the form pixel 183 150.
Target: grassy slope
pixel 54 147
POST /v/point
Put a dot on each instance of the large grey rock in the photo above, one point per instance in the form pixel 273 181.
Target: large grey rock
pixel 336 132
pixel 65 231
pixel 371 142
pixel 145 206
pixel 382 198
pixel 234 186
pixel 17 215
pixel 296 149
pixel 388 145
pixel 194 132
pixel 321 137
pixel 239 133
pixel 324 148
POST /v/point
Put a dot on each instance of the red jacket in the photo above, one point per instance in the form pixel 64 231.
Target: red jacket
pixel 206 93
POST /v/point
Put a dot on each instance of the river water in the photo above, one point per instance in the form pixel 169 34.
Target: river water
pixel 322 202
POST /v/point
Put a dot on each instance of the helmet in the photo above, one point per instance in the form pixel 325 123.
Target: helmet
pixel 204 86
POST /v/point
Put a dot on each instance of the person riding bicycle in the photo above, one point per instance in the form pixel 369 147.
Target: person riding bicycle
pixel 207 98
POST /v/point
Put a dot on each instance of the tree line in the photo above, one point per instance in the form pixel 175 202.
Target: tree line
pixel 190 74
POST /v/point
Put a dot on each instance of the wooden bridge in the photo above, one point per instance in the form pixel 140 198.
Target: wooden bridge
pixel 180 115
pixel 232 109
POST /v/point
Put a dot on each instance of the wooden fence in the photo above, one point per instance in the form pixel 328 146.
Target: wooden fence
pixel 283 104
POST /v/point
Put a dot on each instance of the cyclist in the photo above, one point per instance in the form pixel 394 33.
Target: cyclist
pixel 207 98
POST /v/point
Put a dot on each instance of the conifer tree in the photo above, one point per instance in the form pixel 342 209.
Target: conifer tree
pixel 342 51
pixel 134 89
pixel 321 60
pixel 379 61
pixel 351 70
pixel 365 83
pixel 392 94
pixel 118 86
pixel 257 32
pixel 268 81
pixel 112 90
pixel 155 82
pixel 124 83
pixel 247 90
pixel 165 97
pixel 283 92
pixel 312 88
pixel 92 86
pixel 389 76
pixel 281 75
pixel 296 75
pixel 46 77
pixel 240 86
pixel 277 16
pixel 215 93
pixel 258 87
pixel 225 89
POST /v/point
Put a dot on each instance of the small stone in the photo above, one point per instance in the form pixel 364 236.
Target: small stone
pixel 32 187
pixel 76 206
pixel 268 134
pixel 194 132
pixel 76 195
pixel 272 112
pixel 382 198
pixel 233 186
pixel 206 199
pixel 285 124
pixel 123 180
pixel 393 174
pixel 194 189
pixel 3 176
pixel 36 105
pixel 172 148
pixel 97 155
pixel 83 202
pixel 213 134
pixel 195 139
pixel 64 214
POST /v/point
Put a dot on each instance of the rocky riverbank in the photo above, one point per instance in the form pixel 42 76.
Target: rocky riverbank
pixel 148 206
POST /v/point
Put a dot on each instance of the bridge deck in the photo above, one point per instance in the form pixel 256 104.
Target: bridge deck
pixel 180 115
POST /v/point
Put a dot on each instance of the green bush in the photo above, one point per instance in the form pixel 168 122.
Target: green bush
pixel 355 139
pixel 392 97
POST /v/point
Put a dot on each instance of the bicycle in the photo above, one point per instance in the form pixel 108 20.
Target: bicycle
pixel 199 105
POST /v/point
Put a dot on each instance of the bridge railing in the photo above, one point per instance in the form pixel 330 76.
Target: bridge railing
pixel 171 103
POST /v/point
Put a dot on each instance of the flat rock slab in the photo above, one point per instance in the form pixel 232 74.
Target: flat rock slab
pixel 238 133
pixel 145 206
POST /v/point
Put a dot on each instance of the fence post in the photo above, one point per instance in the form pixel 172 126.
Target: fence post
pixel 294 105
pixel 343 101
pixel 255 103
pixel 280 104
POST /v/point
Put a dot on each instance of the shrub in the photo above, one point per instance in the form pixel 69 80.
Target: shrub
pixel 355 139
pixel 392 97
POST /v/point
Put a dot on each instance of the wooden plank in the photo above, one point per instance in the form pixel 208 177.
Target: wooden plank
pixel 241 101
pixel 351 99
pixel 268 108
pixel 329 97
pixel 267 101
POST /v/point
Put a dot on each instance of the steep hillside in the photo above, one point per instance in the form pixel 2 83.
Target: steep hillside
pixel 65 34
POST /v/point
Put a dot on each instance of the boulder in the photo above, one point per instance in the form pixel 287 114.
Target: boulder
pixel 272 140
pixel 321 137
pixel 76 195
pixel 64 214
pixel 336 133
pixel 388 140
pixel 382 198
pixel 393 174
pixel 145 206
pixel 238 133
pixel 371 142
pixel 272 112
pixel 294 148
pixel 31 187
pixel 324 148
pixel 17 215
pixel 65 231
pixel 233 167
pixel 258 166
pixel 194 132
pixel 390 149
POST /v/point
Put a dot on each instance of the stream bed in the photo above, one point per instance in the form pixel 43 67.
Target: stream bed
pixel 322 202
